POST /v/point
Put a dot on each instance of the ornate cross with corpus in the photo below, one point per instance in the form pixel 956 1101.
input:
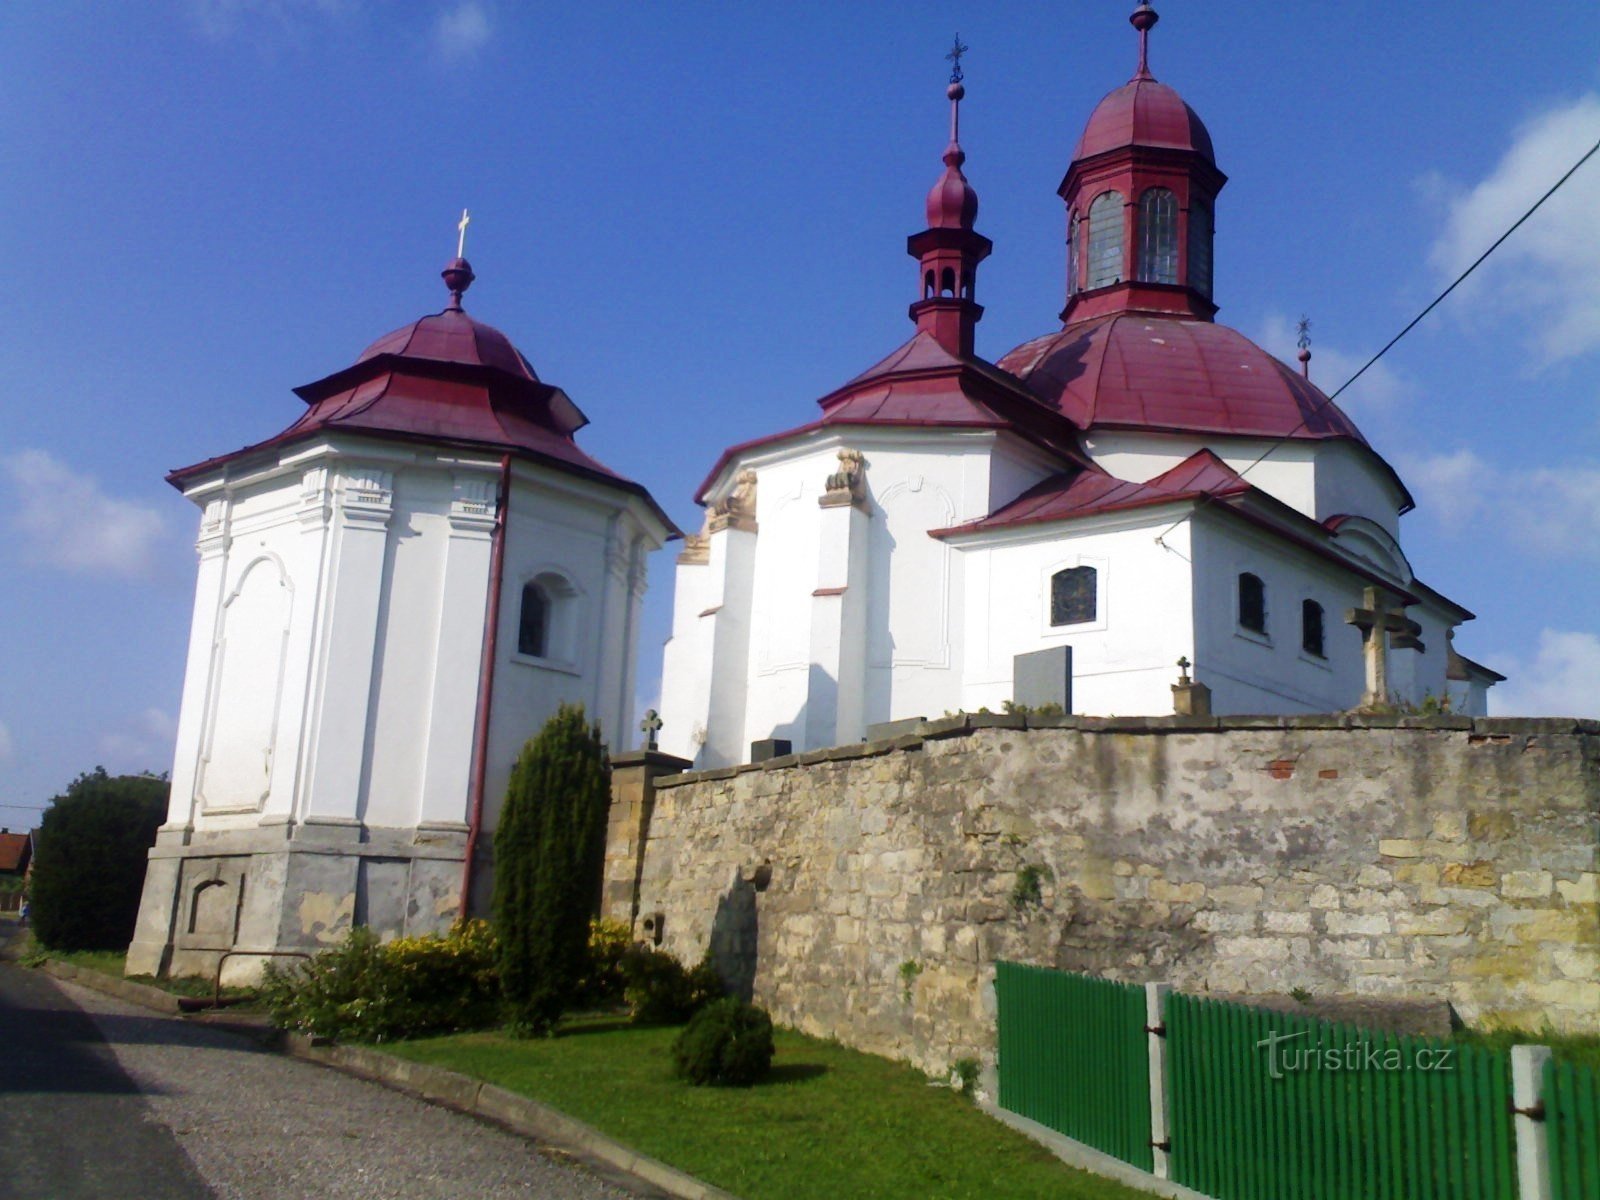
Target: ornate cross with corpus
pixel 651 726
pixel 1382 628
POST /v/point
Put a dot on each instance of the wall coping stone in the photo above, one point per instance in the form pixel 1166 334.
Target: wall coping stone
pixel 966 724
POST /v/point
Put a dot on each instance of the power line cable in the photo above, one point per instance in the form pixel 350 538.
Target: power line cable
pixel 1390 344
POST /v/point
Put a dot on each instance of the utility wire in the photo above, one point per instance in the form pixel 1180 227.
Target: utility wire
pixel 1412 324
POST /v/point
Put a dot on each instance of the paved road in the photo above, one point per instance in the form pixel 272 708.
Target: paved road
pixel 101 1099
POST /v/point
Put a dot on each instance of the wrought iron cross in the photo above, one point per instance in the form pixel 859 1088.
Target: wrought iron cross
pixel 954 59
pixel 651 726
pixel 1303 329
pixel 461 242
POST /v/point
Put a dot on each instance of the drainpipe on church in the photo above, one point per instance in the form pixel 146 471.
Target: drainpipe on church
pixel 480 733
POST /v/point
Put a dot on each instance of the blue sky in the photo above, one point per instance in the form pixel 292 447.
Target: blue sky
pixel 692 218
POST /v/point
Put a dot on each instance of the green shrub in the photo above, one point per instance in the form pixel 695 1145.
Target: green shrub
pixel 728 1043
pixel 603 982
pixel 88 872
pixel 549 852
pixel 659 990
pixel 369 991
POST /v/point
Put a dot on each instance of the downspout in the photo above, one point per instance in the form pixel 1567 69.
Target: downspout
pixel 480 730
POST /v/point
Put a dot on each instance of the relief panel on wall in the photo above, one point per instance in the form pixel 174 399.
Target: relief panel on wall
pixel 247 672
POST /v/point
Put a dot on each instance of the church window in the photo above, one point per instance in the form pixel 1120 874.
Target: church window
pixel 1158 237
pixel 927 286
pixel 1072 596
pixel 533 629
pixel 1105 240
pixel 1200 248
pixel 1252 603
pixel 947 282
pixel 1311 627
pixel 1074 248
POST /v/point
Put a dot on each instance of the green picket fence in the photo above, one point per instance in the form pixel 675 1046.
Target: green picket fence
pixel 1278 1106
pixel 1572 1115
pixel 1074 1057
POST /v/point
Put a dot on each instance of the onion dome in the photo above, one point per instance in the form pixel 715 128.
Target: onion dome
pixel 1144 111
pixel 953 204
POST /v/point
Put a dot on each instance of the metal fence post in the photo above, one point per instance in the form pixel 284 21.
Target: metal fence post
pixel 1156 1033
pixel 1527 1103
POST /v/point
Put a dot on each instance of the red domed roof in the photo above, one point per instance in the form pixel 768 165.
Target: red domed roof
pixel 1165 374
pixel 453 337
pixel 1144 112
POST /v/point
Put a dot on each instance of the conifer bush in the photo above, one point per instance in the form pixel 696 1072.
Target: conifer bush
pixel 660 990
pixel 549 854
pixel 728 1043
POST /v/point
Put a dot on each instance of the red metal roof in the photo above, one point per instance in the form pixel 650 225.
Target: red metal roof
pixel 445 378
pixel 1140 371
pixel 1144 112
pixel 923 385
pixel 1089 491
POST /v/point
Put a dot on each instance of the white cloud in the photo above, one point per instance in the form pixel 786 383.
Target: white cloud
pixel 1378 393
pixel 462 30
pixel 70 523
pixel 1552 511
pixel 7 746
pixel 1559 682
pixel 144 744
pixel 1546 277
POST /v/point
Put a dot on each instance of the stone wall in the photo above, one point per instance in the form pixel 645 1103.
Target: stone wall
pixel 865 892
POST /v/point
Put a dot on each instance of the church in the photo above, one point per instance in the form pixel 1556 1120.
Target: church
pixel 1065 523
pixel 393 594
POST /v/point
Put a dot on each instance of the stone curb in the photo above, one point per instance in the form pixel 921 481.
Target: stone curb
pixel 519 1114
pixel 123 989
pixel 449 1089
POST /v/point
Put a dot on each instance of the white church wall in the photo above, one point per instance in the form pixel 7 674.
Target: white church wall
pixel 784 578
pixel 686 663
pixel 1349 480
pixel 1123 662
pixel 1250 672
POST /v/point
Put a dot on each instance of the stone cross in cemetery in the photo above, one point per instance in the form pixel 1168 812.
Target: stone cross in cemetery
pixel 1382 628
pixel 651 725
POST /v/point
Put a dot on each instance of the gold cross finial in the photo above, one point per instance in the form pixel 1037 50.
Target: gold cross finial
pixel 461 242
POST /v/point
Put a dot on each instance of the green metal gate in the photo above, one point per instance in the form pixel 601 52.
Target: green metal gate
pixel 1074 1057
pixel 1572 1112
pixel 1279 1106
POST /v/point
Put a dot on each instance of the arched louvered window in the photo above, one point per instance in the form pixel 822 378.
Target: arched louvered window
pixel 1105 240
pixel 1074 253
pixel 533 625
pixel 1072 596
pixel 1158 237
pixel 1311 639
pixel 1200 248
pixel 1252 603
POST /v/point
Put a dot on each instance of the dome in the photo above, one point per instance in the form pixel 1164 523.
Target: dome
pixel 1171 375
pixel 1144 112
pixel 952 202
pixel 453 337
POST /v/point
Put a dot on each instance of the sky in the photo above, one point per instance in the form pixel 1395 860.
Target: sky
pixel 692 218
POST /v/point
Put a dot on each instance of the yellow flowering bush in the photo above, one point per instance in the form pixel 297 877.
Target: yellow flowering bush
pixel 378 991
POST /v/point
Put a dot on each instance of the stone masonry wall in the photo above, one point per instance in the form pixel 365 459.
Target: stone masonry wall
pixel 864 893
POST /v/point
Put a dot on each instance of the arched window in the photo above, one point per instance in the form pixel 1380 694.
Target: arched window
pixel 947 282
pixel 1252 603
pixel 1311 628
pixel 1200 248
pixel 1105 240
pixel 927 286
pixel 1072 596
pixel 533 627
pixel 1158 237
pixel 1074 253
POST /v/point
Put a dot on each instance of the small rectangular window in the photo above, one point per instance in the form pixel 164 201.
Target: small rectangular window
pixel 1311 628
pixel 1252 603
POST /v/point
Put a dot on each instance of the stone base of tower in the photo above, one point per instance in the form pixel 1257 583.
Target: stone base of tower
pixel 256 893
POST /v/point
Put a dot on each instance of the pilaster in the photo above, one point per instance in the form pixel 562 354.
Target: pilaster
pixel 835 701
pixel 344 686
pixel 633 798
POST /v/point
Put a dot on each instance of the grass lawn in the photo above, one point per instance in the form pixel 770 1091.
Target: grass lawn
pixel 110 962
pixel 829 1122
